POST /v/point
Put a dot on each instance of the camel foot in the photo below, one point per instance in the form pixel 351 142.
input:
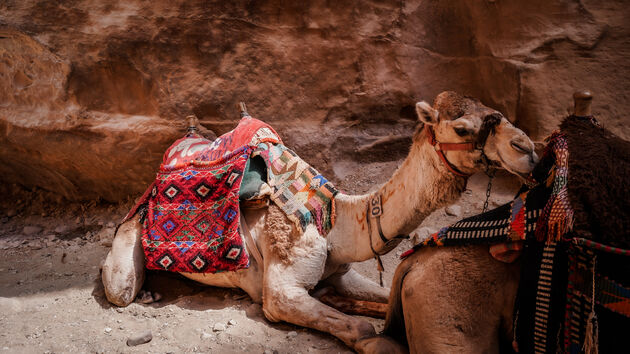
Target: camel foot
pixel 147 297
pixel 380 344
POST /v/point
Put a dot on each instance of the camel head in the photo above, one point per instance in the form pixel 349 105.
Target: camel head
pixel 473 137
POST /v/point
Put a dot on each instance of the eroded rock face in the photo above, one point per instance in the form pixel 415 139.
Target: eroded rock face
pixel 92 92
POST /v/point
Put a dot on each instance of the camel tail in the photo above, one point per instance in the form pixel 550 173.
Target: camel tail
pixel 395 319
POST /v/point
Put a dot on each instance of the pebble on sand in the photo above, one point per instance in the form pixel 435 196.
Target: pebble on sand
pixel 142 338
pixel 218 327
pixel 454 210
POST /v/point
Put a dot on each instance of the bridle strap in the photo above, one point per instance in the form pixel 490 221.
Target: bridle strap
pixel 441 147
pixel 377 256
pixel 487 127
pixel 369 225
pixel 450 167
pixel 375 210
pixel 448 146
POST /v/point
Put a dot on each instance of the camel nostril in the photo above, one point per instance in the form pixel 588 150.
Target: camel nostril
pixel 521 147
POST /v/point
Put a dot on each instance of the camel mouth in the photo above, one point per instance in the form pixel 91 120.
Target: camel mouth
pixel 506 166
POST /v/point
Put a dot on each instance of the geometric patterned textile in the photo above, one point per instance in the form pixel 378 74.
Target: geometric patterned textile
pixel 193 205
pixel 193 149
pixel 609 293
pixel 557 216
pixel 192 220
pixel 506 226
pixel 299 190
pixel 557 309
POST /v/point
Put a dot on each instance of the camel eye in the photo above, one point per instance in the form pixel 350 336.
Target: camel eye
pixel 461 131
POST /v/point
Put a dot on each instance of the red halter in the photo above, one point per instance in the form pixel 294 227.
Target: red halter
pixel 440 147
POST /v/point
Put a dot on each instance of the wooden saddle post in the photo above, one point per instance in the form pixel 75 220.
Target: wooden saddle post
pixel 582 101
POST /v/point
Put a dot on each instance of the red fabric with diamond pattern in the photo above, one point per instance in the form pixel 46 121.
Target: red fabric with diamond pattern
pixel 193 207
pixel 193 217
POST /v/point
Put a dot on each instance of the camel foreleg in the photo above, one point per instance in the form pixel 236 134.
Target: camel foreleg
pixel 286 298
pixel 295 305
pixel 354 285
pixel 351 306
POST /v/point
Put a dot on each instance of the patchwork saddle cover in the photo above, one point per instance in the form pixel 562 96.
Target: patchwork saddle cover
pixel 191 211
pixel 298 189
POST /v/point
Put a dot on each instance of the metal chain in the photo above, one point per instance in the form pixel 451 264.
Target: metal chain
pixel 490 174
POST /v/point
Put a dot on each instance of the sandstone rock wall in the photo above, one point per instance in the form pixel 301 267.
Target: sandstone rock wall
pixel 92 92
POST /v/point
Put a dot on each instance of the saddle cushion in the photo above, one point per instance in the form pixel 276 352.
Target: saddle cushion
pixel 192 219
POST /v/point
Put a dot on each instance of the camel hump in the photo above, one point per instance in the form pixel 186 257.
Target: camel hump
pixel 582 103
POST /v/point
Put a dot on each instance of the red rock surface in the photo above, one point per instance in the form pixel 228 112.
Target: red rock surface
pixel 92 92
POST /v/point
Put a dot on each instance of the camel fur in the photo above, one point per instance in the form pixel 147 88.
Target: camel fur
pixel 466 299
pixel 295 261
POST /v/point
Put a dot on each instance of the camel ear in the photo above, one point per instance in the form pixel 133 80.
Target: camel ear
pixel 426 113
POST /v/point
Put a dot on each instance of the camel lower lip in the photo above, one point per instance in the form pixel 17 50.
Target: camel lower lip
pixel 505 166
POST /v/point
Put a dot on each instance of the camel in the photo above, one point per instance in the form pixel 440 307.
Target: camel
pixel 453 299
pixel 294 262
pixel 449 300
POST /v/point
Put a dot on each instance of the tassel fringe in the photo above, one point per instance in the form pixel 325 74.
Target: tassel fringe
pixel 591 337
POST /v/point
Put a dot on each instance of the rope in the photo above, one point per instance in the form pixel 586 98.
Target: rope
pixel 591 337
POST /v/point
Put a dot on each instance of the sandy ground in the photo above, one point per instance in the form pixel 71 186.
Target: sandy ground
pixel 52 300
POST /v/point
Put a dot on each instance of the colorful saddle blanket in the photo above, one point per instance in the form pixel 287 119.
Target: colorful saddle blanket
pixel 299 190
pixel 191 211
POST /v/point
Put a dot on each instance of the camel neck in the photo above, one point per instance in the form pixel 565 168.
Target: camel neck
pixel 419 186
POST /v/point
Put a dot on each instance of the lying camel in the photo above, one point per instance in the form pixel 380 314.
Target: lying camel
pixel 294 262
